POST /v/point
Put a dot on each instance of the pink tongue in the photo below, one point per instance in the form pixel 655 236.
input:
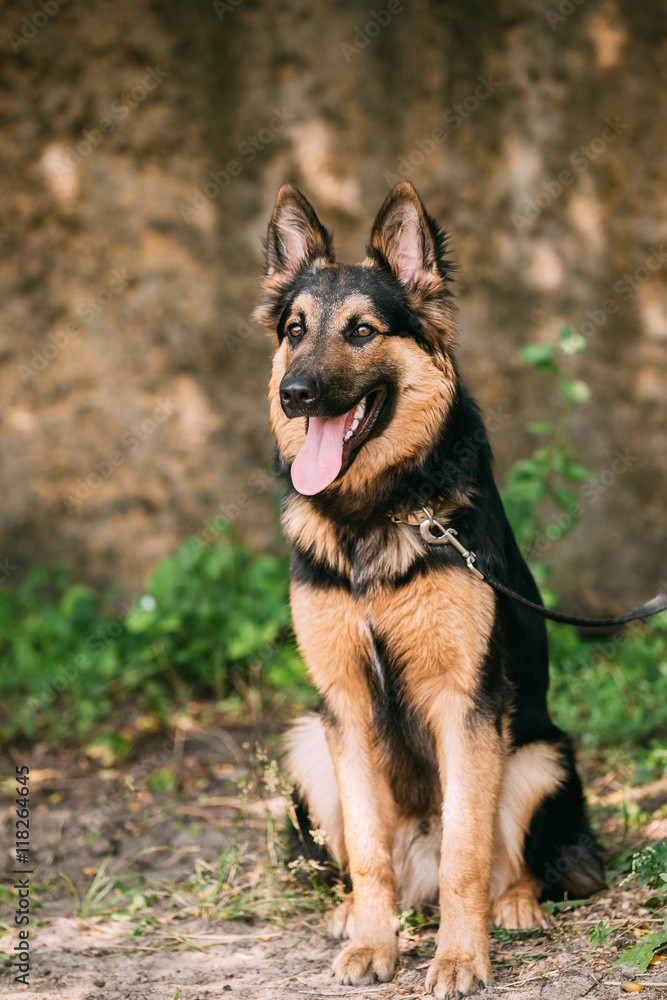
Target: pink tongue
pixel 319 461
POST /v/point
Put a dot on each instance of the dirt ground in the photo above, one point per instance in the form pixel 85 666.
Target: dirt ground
pixel 143 859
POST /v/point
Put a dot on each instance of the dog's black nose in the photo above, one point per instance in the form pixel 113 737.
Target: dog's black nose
pixel 297 394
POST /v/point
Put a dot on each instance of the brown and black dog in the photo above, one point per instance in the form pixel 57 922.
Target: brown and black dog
pixel 433 765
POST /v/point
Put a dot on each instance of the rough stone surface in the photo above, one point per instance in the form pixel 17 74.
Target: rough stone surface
pixel 100 227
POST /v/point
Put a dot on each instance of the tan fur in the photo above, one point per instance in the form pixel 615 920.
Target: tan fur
pixel 518 907
pixel 308 305
pixel 417 846
pixel 367 802
pixel 534 772
pixel 425 392
pixel 471 758
pixel 439 625
pixel 337 668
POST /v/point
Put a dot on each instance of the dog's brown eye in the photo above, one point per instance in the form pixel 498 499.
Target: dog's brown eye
pixel 295 329
pixel 364 330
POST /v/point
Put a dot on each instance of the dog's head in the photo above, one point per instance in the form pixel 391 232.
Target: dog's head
pixel 364 351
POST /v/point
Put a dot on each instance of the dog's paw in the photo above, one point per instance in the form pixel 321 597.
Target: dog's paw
pixel 450 977
pixel 517 908
pixel 360 964
pixel 340 922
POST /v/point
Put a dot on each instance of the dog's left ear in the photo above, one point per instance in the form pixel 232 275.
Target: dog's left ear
pixel 406 238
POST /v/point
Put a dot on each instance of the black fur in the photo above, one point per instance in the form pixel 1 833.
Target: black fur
pixel 300 844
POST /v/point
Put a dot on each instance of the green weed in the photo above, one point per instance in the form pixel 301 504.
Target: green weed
pixel 649 868
pixel 599 935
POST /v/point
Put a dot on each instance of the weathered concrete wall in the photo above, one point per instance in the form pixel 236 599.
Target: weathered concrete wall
pixel 144 146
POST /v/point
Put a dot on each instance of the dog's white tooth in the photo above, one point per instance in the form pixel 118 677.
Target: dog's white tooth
pixel 348 435
pixel 354 425
pixel 361 409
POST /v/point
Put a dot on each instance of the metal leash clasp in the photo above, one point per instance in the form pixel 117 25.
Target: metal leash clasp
pixel 448 536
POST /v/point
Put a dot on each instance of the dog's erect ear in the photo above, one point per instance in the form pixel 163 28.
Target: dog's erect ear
pixel 407 240
pixel 295 236
pixel 405 237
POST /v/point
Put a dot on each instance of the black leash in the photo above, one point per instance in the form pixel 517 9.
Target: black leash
pixel 658 603
pixel 448 536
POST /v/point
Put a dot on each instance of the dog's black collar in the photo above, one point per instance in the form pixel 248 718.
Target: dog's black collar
pixel 433 532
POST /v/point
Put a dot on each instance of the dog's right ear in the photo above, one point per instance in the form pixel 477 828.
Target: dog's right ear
pixel 296 237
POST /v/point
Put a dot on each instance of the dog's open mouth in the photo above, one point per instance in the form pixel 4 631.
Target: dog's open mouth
pixel 331 442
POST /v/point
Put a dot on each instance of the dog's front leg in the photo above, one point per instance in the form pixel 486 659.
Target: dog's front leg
pixel 470 759
pixel 335 641
pixel 368 817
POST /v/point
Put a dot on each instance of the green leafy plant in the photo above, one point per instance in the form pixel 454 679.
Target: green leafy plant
pixel 539 487
pixel 599 935
pixel 211 611
pixel 411 922
pixel 640 954
pixel 612 689
pixel 649 868
pixel 214 622
pixel 161 780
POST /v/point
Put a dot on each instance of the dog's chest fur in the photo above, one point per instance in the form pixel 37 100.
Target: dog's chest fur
pixel 381 628
pixel 379 555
